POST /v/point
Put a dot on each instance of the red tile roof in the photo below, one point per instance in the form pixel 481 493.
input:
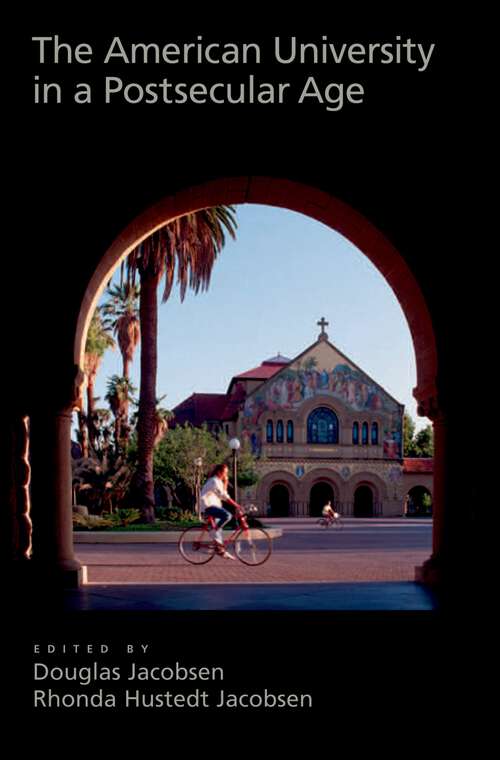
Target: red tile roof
pixel 418 465
pixel 264 372
pixel 211 407
pixel 267 369
pixel 200 408
pixel 235 401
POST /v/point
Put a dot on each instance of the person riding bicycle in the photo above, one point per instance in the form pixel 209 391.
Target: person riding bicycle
pixel 328 512
pixel 212 494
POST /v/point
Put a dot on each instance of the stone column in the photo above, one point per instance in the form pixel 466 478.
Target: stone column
pixel 53 558
pixel 23 500
pixel 456 566
pixel 431 572
pixel 15 476
pixel 445 568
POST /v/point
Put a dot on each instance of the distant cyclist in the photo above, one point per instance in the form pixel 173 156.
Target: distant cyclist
pixel 213 493
pixel 329 513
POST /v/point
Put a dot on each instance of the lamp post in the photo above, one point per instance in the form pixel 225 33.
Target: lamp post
pixel 198 463
pixel 234 445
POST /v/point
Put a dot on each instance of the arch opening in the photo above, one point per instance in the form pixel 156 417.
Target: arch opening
pixel 323 208
pixel 279 501
pixel 296 197
pixel 418 502
pixel 363 502
pixel 320 494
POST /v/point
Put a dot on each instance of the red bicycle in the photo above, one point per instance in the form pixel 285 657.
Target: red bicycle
pixel 252 546
pixel 328 521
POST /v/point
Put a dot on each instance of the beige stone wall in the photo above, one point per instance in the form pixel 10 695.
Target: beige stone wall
pixel 425 479
pixel 384 478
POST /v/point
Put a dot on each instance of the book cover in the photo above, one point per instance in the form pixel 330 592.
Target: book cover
pixel 354 126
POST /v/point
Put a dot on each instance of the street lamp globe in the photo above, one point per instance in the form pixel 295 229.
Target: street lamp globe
pixel 198 462
pixel 234 445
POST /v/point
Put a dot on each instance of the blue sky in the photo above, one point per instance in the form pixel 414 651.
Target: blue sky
pixel 268 290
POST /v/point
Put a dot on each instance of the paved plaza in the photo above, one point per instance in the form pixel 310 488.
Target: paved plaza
pixel 364 551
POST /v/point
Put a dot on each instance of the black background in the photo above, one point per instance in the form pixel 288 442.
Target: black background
pixel 404 159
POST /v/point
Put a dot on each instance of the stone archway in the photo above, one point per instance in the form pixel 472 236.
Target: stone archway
pixel 54 540
pixel 363 501
pixel 271 480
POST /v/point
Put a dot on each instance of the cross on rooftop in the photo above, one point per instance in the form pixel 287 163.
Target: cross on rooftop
pixel 322 323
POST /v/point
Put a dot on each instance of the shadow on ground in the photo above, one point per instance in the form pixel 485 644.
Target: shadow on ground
pixel 322 596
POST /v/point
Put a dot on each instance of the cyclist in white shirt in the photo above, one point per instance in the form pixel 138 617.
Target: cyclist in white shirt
pixel 213 493
pixel 328 512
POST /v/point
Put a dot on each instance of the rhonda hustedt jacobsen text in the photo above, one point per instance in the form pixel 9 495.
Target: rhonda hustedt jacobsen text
pixel 51 680
pixel 137 699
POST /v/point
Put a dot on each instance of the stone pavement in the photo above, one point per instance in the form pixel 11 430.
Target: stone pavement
pixel 282 567
pixel 305 554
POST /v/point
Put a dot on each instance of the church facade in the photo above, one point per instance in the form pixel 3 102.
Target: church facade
pixel 322 430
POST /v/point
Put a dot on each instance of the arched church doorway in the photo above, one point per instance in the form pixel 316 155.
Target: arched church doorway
pixel 419 502
pixel 320 494
pixel 363 502
pixel 279 501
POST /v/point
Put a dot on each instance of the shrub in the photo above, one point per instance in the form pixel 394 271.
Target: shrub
pixel 124 517
pixel 90 522
pixel 175 514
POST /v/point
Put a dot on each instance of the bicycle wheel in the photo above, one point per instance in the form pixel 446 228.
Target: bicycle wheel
pixel 337 524
pixel 253 546
pixel 196 546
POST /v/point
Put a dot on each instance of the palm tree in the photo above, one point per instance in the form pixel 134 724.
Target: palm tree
pixel 103 433
pixel 189 244
pixel 122 313
pixel 119 393
pixel 98 341
pixel 162 418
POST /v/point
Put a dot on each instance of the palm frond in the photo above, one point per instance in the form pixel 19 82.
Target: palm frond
pixel 187 246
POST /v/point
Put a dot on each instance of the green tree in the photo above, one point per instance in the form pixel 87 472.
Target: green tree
pixel 247 469
pixel 187 246
pixel 408 433
pixel 420 444
pixel 424 442
pixel 427 503
pixel 175 455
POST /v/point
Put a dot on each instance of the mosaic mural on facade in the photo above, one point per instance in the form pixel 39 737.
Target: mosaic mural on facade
pixel 302 381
